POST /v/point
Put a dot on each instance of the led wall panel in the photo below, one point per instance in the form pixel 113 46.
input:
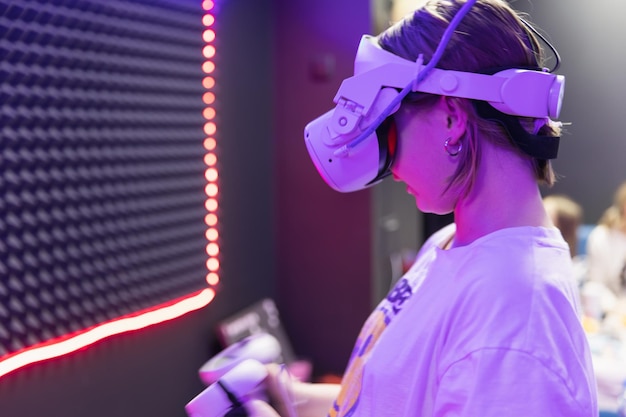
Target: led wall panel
pixel 108 170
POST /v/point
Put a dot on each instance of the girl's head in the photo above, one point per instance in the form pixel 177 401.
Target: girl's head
pixel 489 38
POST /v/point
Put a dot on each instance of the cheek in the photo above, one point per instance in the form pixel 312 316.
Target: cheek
pixel 419 159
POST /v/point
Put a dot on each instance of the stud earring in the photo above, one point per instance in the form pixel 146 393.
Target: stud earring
pixel 453 150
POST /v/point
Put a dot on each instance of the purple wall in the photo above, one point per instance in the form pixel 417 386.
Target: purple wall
pixel 323 237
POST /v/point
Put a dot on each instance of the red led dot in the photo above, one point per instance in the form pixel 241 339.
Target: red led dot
pixel 210 159
pixel 208 67
pixel 212 234
pixel 208 113
pixel 210 219
pixel 209 144
pixel 208 51
pixel 212 278
pixel 211 190
pixel 208 20
pixel 208 98
pixel 208 35
pixel 211 204
pixel 212 249
pixel 210 128
pixel 213 264
pixel 208 82
pixel 210 174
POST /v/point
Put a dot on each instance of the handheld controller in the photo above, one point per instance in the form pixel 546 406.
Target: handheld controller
pixel 226 397
pixel 262 347
pixel 234 376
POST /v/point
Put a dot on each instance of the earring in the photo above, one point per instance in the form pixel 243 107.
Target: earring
pixel 452 150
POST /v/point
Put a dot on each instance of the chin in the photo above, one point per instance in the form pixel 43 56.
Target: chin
pixel 431 209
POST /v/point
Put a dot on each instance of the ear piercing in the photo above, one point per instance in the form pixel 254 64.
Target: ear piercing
pixel 453 150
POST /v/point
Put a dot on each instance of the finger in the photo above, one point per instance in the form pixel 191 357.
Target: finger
pixel 258 408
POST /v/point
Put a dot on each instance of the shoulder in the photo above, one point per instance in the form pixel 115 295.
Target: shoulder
pixel 510 292
pixel 517 256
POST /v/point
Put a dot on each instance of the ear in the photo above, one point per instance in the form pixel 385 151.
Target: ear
pixel 456 117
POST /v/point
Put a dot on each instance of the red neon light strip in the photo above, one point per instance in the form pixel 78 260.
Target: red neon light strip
pixel 135 321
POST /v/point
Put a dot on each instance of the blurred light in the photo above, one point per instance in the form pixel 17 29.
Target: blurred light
pixel 212 278
pixel 212 249
pixel 208 5
pixel 209 113
pixel 210 219
pixel 208 98
pixel 211 204
pixel 213 264
pixel 208 67
pixel 208 35
pixel 208 20
pixel 211 190
pixel 210 128
pixel 208 51
pixel 210 174
pixel 209 144
pixel 212 234
pixel 210 159
pixel 208 82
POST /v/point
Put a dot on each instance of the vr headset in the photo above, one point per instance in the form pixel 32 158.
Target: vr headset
pixel 353 145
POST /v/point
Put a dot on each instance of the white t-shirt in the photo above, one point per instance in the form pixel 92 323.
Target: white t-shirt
pixel 606 257
pixel 489 329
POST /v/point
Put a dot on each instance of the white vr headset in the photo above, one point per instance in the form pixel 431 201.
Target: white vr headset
pixel 352 146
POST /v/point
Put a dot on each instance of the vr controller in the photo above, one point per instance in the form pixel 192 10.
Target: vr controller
pixel 234 376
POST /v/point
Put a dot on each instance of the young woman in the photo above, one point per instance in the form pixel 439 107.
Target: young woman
pixel 486 321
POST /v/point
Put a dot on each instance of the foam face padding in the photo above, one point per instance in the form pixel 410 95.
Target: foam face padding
pixel 101 162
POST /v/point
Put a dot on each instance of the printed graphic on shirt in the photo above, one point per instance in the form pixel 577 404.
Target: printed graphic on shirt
pixel 346 403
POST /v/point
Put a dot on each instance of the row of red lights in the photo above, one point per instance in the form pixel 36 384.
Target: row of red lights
pixel 210 143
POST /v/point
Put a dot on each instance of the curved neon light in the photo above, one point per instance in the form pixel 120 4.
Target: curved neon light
pixel 135 321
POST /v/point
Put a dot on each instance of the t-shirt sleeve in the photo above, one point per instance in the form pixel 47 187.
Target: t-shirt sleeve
pixel 503 382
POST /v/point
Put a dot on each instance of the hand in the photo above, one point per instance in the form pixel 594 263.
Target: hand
pixel 279 386
pixel 293 398
pixel 258 408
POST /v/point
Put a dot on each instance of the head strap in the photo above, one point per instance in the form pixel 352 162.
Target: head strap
pixel 540 147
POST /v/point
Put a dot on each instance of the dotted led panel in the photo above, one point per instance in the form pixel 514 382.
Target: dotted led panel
pixel 102 178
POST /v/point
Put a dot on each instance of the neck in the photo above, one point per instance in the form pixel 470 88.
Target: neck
pixel 504 195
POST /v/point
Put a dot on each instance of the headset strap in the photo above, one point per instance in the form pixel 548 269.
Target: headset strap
pixel 540 147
